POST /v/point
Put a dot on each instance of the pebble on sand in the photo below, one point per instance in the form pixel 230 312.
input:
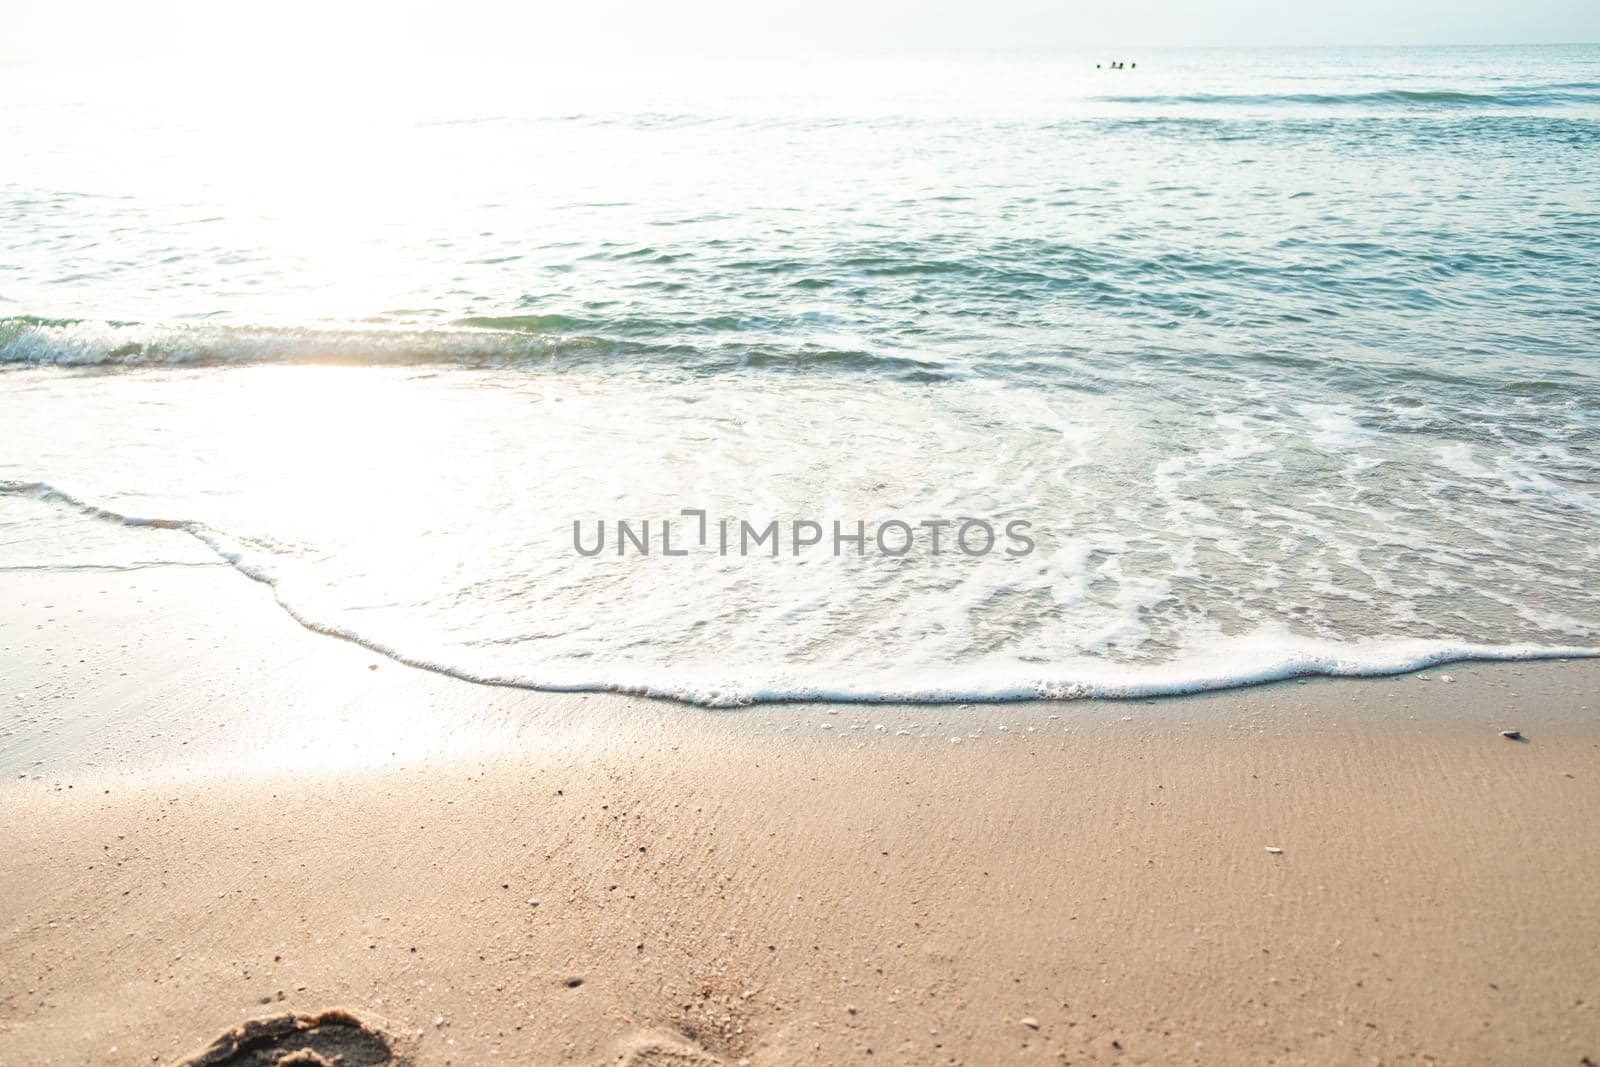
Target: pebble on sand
pixel 1030 1022
pixel 1275 850
pixel 1511 735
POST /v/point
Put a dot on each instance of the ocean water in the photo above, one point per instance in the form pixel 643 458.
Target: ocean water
pixel 1252 363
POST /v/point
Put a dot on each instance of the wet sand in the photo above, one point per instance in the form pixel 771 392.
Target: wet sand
pixel 212 815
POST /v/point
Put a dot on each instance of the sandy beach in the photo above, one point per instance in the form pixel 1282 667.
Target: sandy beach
pixel 212 814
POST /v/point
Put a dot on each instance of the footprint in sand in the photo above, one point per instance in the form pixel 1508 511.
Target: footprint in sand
pixel 328 1039
pixel 338 1039
pixel 661 1048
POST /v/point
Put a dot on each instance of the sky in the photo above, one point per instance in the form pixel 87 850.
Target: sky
pixel 63 32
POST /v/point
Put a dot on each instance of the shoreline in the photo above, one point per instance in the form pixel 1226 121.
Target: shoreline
pixel 232 816
pixel 1319 660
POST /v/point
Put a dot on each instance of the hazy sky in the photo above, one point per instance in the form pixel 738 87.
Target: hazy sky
pixel 55 32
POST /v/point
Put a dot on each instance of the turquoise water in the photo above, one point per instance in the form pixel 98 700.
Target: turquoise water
pixel 1287 360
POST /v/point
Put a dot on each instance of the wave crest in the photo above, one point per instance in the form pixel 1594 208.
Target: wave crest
pixel 1567 93
pixel 469 343
pixel 83 343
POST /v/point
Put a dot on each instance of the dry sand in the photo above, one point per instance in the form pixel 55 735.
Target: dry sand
pixel 211 815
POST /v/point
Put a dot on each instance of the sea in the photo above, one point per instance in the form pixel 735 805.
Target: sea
pixel 910 378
